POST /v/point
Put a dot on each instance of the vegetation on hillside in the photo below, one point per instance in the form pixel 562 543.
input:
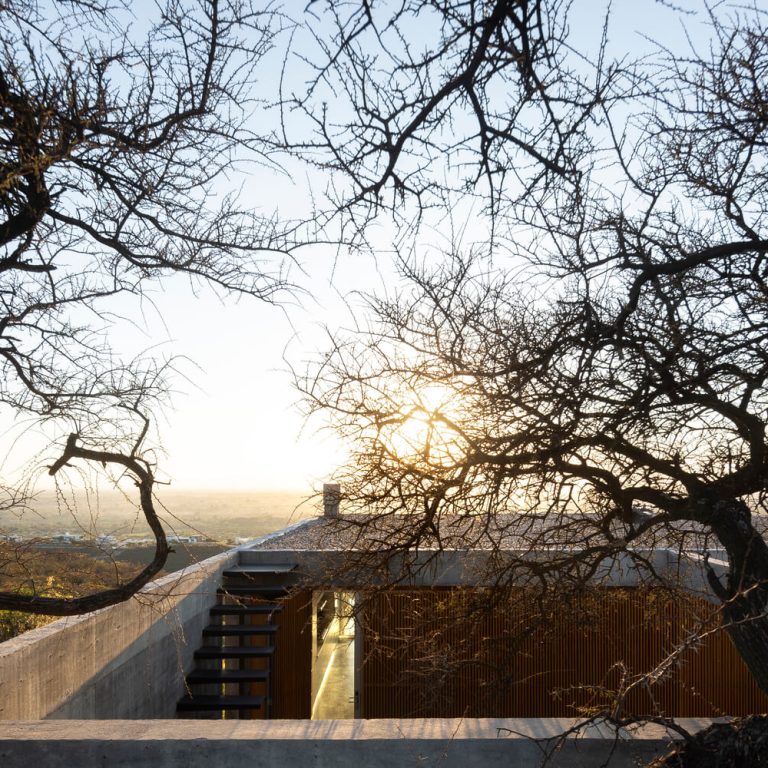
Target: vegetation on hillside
pixel 53 573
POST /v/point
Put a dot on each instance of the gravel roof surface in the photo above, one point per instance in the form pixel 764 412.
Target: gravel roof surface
pixel 505 531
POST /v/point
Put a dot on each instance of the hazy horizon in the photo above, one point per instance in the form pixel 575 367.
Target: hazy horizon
pixel 214 513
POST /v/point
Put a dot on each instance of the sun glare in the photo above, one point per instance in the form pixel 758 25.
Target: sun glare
pixel 425 428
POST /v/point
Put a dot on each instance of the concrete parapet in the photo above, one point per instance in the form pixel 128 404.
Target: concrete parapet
pixel 125 661
pixel 352 570
pixel 448 743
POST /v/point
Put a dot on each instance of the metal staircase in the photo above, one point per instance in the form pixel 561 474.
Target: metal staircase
pixel 233 667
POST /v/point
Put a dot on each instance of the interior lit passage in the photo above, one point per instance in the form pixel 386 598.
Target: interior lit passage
pixel 333 656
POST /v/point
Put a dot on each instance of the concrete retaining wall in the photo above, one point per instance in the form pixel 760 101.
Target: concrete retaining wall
pixel 457 567
pixel 325 744
pixel 126 661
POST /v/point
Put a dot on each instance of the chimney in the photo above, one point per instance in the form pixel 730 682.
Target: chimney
pixel 331 497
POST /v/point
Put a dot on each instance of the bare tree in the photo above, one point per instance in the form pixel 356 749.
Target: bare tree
pixel 117 135
pixel 600 359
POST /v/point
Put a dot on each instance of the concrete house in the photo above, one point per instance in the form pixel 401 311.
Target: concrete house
pixel 289 644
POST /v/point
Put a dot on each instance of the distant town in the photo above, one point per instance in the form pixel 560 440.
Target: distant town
pixel 107 541
pixel 189 518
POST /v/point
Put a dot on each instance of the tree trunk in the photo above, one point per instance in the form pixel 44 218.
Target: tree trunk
pixel 723 745
pixel 745 595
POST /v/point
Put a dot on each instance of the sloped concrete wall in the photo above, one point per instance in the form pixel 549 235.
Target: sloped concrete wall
pixel 419 743
pixel 125 661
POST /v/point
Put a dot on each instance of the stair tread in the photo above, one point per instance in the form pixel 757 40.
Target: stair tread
pixel 257 568
pixel 240 629
pixel 235 610
pixel 237 651
pixel 227 676
pixel 200 703
pixel 253 589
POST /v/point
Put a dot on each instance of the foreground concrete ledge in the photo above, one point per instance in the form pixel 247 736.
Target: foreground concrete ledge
pixel 451 729
pixel 449 743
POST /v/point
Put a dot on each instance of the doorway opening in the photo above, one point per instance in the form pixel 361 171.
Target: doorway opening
pixel 333 656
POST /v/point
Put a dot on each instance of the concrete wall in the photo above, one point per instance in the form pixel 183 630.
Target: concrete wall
pixel 461 743
pixel 441 568
pixel 126 661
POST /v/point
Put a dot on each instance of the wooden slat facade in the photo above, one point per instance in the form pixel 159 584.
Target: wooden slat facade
pixel 423 658
pixel 291 665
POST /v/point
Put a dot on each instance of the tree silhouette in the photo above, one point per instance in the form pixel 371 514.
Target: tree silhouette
pixel 117 133
pixel 598 358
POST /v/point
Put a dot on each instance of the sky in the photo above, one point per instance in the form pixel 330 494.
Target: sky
pixel 235 421
pixel 240 426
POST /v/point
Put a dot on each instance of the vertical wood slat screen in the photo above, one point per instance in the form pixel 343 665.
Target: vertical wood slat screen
pixel 292 664
pixel 423 660
pixel 292 660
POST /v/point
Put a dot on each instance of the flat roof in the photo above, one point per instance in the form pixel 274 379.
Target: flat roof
pixel 507 531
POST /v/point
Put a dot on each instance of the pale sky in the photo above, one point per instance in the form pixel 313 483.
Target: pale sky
pixel 236 423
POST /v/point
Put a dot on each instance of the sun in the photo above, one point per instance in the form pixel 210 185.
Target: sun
pixel 426 427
